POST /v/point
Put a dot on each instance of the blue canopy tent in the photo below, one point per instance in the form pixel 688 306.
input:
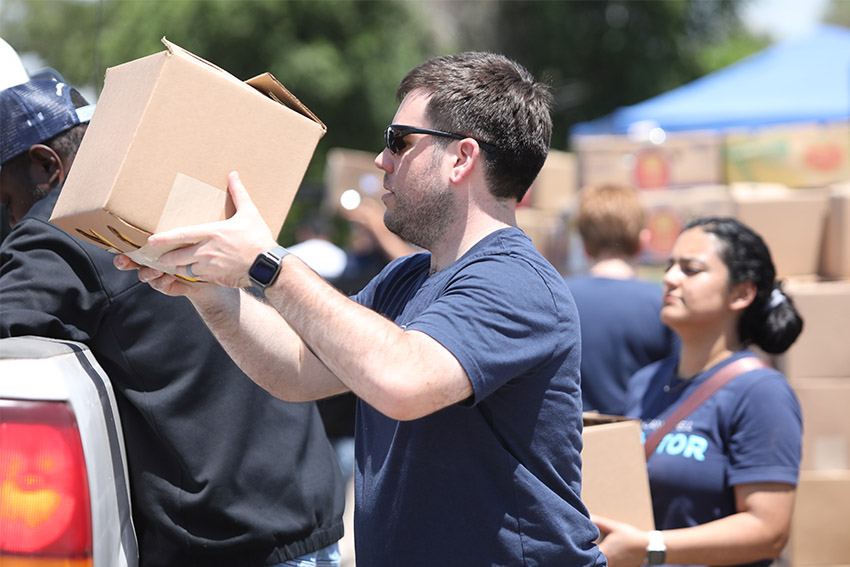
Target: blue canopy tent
pixel 801 79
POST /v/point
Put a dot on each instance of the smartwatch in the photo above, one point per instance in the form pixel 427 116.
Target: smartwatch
pixel 266 267
pixel 656 551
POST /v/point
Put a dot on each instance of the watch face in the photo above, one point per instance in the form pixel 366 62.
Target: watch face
pixel 263 270
pixel 655 557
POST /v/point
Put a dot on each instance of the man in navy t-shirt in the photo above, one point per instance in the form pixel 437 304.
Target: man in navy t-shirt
pixel 465 358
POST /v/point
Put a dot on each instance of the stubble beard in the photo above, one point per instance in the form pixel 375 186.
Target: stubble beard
pixel 423 214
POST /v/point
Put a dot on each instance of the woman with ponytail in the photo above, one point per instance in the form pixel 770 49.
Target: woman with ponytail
pixel 723 479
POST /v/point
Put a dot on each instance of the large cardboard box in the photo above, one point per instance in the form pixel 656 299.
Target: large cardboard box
pixel 167 130
pixel 669 210
pixel 791 222
pixel 826 422
pixel 681 159
pixel 822 350
pixel 796 155
pixel 835 256
pixel 614 478
pixel 819 527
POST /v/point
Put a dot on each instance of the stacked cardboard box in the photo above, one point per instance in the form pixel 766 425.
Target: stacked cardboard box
pixel 543 213
pixel 818 367
pixel 796 155
pixel 673 160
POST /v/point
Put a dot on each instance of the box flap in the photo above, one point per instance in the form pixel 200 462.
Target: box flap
pixel 271 87
pixel 174 49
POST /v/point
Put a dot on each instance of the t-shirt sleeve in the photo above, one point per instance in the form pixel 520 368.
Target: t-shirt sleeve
pixel 766 433
pixel 496 317
pixel 49 285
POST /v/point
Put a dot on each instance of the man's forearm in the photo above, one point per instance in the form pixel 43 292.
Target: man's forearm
pixel 264 346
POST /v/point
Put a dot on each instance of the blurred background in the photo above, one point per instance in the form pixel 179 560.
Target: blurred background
pixel 707 107
pixel 344 58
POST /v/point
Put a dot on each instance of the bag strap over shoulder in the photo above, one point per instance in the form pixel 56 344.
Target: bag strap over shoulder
pixel 705 391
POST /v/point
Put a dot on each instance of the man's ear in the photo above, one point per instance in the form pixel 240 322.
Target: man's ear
pixel 47 169
pixel 465 157
pixel 742 295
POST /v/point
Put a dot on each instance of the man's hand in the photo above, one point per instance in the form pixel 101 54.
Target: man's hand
pixel 219 252
pixel 160 281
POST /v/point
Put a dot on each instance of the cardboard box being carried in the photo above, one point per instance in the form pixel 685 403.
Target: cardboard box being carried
pixel 167 130
pixel 681 159
pixel 791 222
pixel 796 155
pixel 820 521
pixel 614 481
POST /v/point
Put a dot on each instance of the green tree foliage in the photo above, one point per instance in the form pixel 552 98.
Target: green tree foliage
pixel 602 54
pixel 344 58
pixel 838 13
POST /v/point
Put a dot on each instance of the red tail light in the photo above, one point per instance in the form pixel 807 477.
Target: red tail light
pixel 44 496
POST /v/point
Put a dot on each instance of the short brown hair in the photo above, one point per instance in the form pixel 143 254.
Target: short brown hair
pixel 493 99
pixel 610 219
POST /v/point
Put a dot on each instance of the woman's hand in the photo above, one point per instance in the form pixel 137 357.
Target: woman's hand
pixel 623 544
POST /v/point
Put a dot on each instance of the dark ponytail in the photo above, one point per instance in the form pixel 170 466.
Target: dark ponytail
pixel 771 321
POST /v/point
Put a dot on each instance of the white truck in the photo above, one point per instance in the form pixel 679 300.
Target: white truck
pixel 64 494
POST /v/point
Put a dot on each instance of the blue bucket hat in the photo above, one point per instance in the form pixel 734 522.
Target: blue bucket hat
pixel 34 112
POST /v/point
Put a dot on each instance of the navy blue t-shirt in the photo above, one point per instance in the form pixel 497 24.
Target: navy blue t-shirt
pixel 749 431
pixel 621 332
pixel 494 480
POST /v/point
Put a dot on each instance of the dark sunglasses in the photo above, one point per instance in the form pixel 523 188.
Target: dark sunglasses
pixel 395 133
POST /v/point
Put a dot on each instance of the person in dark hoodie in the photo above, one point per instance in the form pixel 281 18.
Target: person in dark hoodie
pixel 221 472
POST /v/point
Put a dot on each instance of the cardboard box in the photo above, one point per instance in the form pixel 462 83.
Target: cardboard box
pixel 681 159
pixel 555 187
pixel 835 255
pixel 822 350
pixel 669 210
pixel 351 170
pixel 819 527
pixel 826 422
pixel 791 222
pixel 796 155
pixel 167 130
pixel 614 478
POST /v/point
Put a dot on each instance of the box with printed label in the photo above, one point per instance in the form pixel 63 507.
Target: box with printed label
pixel 679 160
pixel 669 210
pixel 167 130
pixel 796 155
pixel 614 481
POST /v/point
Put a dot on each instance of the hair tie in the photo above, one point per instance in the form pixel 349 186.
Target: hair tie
pixel 777 298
